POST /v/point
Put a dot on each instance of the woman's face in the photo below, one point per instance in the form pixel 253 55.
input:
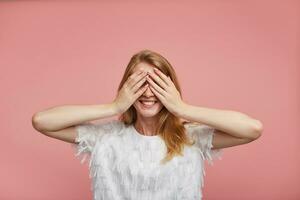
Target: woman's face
pixel 144 108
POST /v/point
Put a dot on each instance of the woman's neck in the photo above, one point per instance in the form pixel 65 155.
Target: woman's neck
pixel 146 127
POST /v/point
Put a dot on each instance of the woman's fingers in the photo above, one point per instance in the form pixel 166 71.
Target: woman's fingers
pixel 159 78
pixel 134 78
pixel 141 90
pixel 139 84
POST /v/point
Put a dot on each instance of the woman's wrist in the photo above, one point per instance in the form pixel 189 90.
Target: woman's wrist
pixel 114 108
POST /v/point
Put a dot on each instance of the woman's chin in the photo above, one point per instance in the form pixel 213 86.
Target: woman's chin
pixel 148 112
pixel 147 115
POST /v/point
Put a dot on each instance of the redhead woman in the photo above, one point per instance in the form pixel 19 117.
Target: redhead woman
pixel 156 148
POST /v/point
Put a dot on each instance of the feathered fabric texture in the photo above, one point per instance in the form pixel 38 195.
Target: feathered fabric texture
pixel 203 135
pixel 87 136
pixel 125 164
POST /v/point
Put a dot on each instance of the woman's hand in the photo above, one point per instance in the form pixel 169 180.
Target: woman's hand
pixel 165 90
pixel 130 91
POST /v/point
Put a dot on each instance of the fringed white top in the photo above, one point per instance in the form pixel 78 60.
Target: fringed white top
pixel 125 165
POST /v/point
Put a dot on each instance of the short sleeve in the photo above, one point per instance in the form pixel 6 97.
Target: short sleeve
pixel 203 137
pixel 87 135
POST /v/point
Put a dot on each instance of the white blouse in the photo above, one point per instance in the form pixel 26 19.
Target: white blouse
pixel 124 164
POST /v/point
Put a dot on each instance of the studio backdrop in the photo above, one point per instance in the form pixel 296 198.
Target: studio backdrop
pixel 236 55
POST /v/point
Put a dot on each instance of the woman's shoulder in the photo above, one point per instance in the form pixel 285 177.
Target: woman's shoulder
pixel 115 124
pixel 105 125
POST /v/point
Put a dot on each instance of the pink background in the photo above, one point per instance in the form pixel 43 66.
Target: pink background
pixel 234 55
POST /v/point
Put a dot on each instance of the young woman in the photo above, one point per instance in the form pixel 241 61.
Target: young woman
pixel 157 147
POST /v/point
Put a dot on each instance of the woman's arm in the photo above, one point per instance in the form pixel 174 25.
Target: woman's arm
pixel 59 122
pixel 231 127
pixel 61 117
pixel 236 124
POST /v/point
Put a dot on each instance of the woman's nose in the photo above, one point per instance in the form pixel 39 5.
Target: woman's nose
pixel 148 92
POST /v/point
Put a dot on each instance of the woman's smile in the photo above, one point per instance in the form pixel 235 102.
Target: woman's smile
pixel 147 103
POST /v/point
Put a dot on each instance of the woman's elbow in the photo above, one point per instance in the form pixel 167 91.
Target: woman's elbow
pixel 36 122
pixel 257 129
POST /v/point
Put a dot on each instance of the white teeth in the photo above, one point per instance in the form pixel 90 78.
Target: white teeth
pixel 148 102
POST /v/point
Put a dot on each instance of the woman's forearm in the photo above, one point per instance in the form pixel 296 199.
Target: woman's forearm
pixel 60 117
pixel 232 122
